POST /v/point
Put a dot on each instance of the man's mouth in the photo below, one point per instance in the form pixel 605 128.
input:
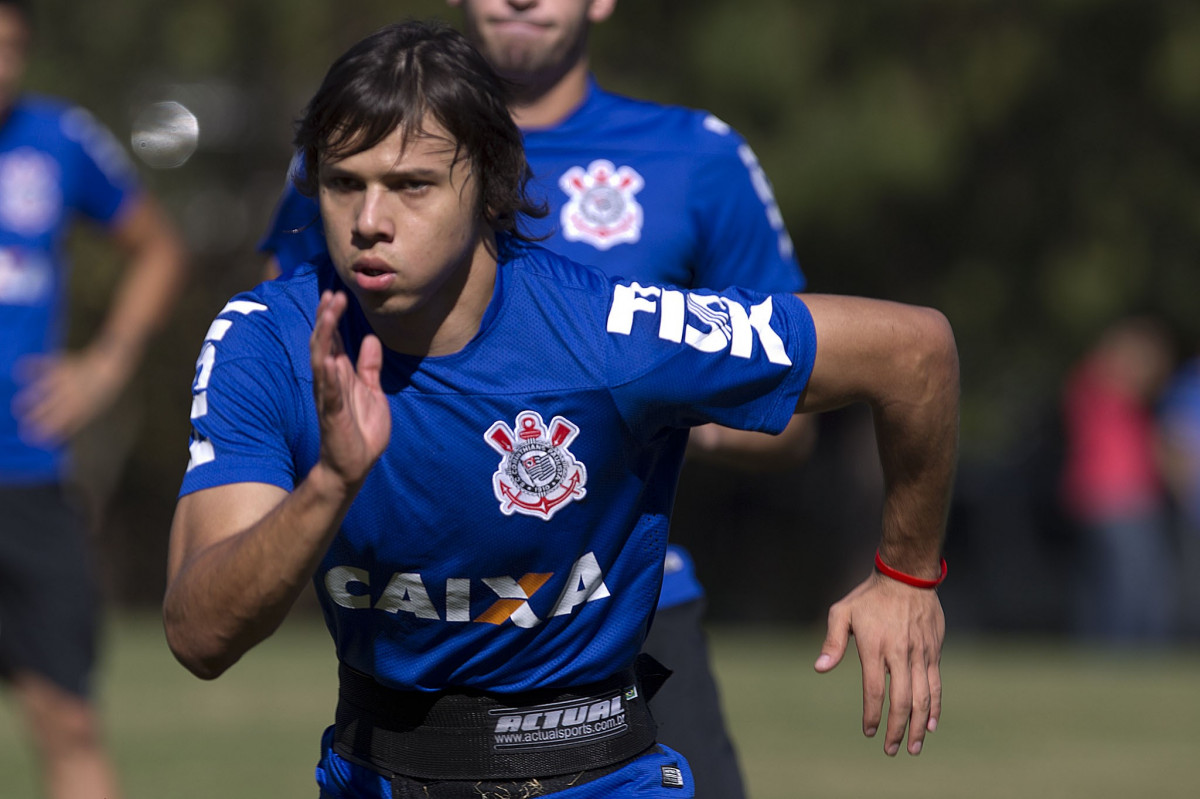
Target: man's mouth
pixel 372 275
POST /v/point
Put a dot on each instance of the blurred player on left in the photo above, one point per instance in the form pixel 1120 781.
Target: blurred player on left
pixel 56 162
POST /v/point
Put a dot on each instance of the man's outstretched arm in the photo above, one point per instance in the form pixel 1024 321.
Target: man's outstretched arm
pixel 902 361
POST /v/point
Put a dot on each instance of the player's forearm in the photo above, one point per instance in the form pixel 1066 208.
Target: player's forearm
pixel 153 279
pixel 145 298
pixel 917 432
pixel 227 597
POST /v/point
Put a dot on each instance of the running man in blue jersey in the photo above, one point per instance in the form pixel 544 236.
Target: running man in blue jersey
pixel 471 444
pixel 640 190
pixel 56 164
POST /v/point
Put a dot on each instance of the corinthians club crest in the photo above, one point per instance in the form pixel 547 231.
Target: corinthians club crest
pixel 537 474
pixel 601 210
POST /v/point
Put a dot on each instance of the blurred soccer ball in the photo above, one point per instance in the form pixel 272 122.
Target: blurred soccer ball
pixel 165 135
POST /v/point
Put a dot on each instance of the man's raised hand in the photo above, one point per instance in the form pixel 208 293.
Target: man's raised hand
pixel 356 421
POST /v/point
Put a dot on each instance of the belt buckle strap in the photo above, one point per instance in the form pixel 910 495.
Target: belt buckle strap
pixel 461 736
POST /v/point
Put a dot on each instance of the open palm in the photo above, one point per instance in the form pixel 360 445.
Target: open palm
pixel 355 419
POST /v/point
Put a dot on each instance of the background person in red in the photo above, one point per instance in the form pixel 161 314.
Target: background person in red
pixel 1113 487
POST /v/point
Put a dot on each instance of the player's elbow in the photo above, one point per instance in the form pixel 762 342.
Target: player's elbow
pixel 942 351
pixel 930 357
pixel 207 665
pixel 204 655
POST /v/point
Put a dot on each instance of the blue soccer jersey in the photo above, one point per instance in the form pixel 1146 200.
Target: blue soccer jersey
pixel 56 161
pixel 661 194
pixel 512 535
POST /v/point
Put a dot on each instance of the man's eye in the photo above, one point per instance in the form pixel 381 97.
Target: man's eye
pixel 341 185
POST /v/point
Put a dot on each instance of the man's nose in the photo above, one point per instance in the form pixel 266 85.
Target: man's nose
pixel 373 220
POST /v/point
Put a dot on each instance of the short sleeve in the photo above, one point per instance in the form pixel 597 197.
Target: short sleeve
pixel 683 358
pixel 744 239
pixel 102 178
pixel 246 407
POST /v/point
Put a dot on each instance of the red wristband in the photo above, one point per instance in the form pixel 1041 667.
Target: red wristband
pixel 908 579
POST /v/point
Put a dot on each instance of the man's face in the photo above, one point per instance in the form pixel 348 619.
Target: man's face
pixel 402 221
pixel 14 43
pixel 528 39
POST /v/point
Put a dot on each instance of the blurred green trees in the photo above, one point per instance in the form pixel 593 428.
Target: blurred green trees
pixel 1032 168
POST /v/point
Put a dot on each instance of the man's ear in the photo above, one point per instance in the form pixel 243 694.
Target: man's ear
pixel 598 10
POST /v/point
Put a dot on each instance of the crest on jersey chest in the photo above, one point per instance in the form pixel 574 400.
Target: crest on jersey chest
pixel 537 475
pixel 601 209
pixel 30 197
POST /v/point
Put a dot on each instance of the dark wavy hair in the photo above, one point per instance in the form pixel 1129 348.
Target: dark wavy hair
pixel 396 78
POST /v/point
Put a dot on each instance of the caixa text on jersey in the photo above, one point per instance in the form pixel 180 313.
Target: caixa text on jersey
pixel 407 592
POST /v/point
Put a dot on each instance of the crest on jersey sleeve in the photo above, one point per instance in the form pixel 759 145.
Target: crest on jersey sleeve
pixel 537 474
pixel 602 210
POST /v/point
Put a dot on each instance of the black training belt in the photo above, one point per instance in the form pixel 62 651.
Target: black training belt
pixel 472 735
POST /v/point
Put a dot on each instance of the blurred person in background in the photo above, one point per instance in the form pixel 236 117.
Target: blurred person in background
pixel 645 191
pixel 56 162
pixel 1113 487
pixel 351 426
pixel 1179 423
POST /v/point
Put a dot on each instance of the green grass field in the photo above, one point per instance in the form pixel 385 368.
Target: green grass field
pixel 1022 718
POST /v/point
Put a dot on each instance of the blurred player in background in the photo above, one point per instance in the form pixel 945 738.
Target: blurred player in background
pixel 655 193
pixel 470 444
pixel 1112 483
pixel 56 162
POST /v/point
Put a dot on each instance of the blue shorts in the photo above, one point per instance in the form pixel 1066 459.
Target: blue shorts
pixel 49 615
pixel 651 776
